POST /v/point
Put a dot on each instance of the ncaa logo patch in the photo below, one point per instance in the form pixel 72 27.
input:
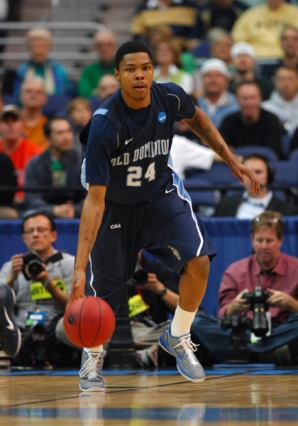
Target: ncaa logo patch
pixel 162 116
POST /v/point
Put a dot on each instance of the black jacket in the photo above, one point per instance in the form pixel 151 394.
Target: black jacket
pixel 228 206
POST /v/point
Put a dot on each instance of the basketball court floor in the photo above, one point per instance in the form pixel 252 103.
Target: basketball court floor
pixel 244 395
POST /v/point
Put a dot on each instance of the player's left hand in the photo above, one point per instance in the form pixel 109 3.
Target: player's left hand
pixel 240 172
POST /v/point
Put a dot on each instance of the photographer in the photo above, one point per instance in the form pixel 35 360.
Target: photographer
pixel 267 276
pixel 38 284
pixel 152 299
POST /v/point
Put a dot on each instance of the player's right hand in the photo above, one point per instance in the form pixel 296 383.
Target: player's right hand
pixel 78 285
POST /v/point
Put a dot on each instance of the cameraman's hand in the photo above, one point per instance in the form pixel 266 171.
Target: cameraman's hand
pixel 153 284
pixel 16 267
pixel 238 304
pixel 43 276
pixel 281 300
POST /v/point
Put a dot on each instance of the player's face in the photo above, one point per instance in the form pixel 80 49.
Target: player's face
pixel 135 76
pixel 266 245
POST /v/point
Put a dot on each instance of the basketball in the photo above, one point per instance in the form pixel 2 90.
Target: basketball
pixel 89 322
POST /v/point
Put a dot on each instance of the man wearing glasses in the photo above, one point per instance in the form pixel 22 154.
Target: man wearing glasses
pixel 34 290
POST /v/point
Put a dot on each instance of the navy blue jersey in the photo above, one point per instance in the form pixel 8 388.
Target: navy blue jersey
pixel 132 161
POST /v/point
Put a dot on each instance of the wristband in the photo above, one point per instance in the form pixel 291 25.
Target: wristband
pixel 162 292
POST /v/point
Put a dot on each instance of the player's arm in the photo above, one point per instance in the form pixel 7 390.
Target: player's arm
pixel 202 126
pixel 91 218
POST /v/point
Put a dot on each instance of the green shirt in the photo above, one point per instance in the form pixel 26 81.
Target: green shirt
pixel 90 77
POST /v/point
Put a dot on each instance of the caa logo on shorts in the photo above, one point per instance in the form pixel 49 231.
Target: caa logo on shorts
pixel 162 116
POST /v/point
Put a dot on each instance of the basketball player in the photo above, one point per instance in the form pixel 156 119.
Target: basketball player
pixel 136 201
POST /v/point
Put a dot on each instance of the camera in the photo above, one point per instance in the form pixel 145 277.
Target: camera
pixel 257 300
pixel 32 265
pixel 139 277
pixel 238 351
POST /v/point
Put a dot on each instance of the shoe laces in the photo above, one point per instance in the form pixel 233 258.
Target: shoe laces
pixel 92 366
pixel 186 342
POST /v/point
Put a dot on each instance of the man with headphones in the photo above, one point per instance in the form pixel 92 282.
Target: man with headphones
pixel 247 206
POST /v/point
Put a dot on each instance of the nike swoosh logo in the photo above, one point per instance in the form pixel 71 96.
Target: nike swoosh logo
pixel 127 141
pixel 169 190
pixel 10 325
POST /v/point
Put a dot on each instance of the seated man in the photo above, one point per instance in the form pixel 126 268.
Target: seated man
pixel 247 206
pixel 270 271
pixel 252 125
pixel 59 167
pixel 33 297
pixel 152 298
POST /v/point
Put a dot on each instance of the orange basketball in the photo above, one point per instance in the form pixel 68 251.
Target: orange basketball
pixel 89 322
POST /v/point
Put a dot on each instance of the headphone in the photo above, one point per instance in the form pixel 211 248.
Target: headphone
pixel 270 169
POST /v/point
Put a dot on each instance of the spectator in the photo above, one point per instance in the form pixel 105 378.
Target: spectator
pixel 222 13
pixel 276 273
pixel 255 26
pixel 59 166
pixel 32 341
pixel 283 101
pixel 57 82
pixel 19 149
pixel 246 205
pixel 183 16
pixel 8 177
pixel 33 97
pixel 107 85
pixel 252 125
pixel 244 60
pixel 167 67
pixel 216 101
pixel 79 112
pixel 289 46
pixel 105 45
pixel 218 45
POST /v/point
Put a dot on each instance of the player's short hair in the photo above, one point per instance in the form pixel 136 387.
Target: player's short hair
pixel 131 47
pixel 269 219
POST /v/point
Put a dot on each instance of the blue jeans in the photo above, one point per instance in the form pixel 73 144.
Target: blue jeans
pixel 208 331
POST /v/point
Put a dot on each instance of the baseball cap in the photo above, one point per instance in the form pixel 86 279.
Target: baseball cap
pixel 10 110
pixel 243 47
pixel 214 65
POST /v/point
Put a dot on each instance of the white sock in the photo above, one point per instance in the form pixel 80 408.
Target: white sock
pixel 181 322
pixel 95 349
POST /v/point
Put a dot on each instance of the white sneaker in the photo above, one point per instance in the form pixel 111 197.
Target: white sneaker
pixel 91 379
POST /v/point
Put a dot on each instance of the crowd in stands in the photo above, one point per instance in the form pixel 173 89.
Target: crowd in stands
pixel 237 67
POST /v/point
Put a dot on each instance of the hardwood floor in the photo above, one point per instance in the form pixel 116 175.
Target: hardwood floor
pixel 164 398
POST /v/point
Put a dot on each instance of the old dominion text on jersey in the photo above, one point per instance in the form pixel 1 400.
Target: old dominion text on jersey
pixel 132 146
